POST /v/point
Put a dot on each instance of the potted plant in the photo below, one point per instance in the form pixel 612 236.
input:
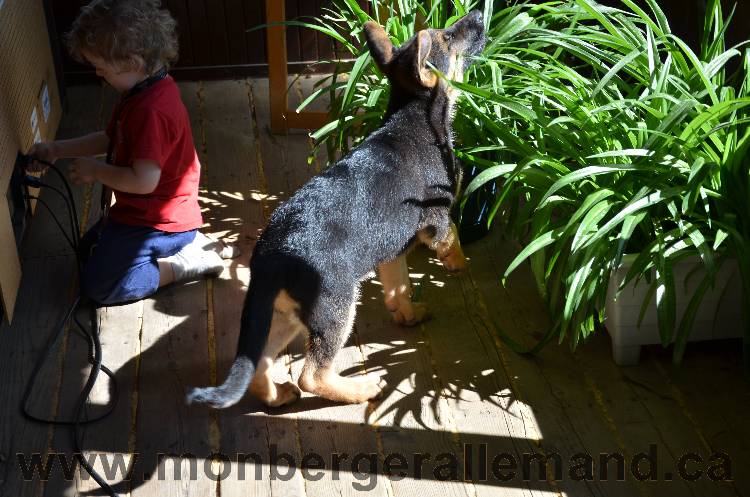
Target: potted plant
pixel 712 299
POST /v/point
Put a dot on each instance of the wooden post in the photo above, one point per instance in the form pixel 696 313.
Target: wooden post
pixel 277 70
pixel 282 119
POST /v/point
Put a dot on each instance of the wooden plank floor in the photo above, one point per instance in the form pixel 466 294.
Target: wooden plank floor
pixel 457 395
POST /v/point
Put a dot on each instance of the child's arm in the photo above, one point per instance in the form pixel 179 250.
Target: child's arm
pixel 142 178
pixel 87 145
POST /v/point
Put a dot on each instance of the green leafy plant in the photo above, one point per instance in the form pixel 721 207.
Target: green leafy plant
pixel 602 133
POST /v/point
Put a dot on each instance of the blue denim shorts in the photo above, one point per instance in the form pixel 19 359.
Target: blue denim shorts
pixel 119 265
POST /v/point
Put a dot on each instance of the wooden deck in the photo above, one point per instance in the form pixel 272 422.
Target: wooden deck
pixel 455 390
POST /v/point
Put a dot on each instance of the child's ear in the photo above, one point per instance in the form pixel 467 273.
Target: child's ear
pixel 379 44
pixel 423 44
pixel 136 63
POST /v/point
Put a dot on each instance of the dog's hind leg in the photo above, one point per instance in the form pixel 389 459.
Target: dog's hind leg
pixel 441 235
pixel 330 324
pixel 284 327
pixel 397 292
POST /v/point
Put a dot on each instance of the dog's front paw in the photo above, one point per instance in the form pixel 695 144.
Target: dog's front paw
pixel 409 313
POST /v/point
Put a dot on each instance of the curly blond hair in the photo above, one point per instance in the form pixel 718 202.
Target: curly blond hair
pixel 124 32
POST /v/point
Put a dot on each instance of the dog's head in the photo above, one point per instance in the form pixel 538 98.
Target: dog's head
pixel 449 50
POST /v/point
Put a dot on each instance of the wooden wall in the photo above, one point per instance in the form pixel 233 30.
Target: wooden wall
pixel 214 41
pixel 30 111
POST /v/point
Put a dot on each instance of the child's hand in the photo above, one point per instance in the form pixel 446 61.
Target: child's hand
pixel 46 151
pixel 83 170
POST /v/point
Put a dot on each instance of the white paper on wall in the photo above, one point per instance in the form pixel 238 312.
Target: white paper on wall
pixel 34 120
pixel 46 105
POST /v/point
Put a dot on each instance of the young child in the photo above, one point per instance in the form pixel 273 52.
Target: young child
pixel 150 237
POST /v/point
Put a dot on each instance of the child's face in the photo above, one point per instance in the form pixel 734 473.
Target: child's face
pixel 121 80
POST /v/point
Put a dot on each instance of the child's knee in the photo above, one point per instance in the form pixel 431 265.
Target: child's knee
pixel 94 287
pixel 98 287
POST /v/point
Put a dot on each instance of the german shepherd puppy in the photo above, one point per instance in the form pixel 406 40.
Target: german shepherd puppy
pixel 366 211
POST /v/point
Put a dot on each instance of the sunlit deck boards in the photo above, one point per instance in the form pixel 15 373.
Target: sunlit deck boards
pixel 452 382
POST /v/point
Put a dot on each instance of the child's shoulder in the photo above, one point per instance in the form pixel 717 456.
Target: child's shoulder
pixel 164 92
pixel 163 98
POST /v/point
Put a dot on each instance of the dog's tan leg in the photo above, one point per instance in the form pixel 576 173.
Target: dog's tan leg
pixel 448 249
pixel 394 276
pixel 319 378
pixel 284 327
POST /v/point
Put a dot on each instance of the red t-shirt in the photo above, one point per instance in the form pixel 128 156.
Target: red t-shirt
pixel 154 125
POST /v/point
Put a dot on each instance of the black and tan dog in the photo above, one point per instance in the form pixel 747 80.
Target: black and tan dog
pixel 364 212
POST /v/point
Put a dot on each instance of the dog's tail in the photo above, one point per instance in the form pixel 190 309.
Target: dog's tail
pixel 255 325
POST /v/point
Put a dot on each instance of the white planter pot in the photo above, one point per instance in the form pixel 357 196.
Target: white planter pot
pixel 710 323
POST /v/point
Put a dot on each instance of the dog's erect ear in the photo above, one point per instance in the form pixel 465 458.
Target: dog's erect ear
pixel 379 44
pixel 424 45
